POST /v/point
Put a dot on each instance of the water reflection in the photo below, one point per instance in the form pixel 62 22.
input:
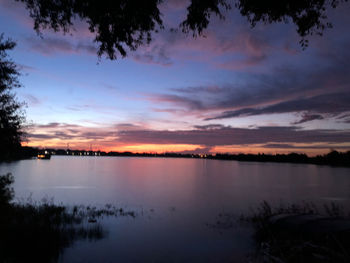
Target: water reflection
pixel 178 197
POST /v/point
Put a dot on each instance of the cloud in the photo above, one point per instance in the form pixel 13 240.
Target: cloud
pixel 204 136
pixel 32 100
pixel 54 45
pixel 127 126
pixel 332 104
pixel 54 125
pixel 290 146
pixel 234 136
pixel 312 82
pixel 252 47
pixel 176 4
pixel 321 89
pixel 153 55
pixel 195 90
pixel 64 131
pixel 26 68
pixel 177 100
pixel 237 49
pixel 39 136
pixel 209 127
pixel 232 47
pixel 308 117
pixel 253 89
pixel 56 130
pixel 18 12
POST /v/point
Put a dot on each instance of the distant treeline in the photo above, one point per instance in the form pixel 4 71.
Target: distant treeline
pixel 333 158
pixel 18 153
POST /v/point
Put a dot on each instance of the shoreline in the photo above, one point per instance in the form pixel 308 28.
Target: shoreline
pixel 334 158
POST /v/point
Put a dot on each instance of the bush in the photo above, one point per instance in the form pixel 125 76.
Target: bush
pixel 39 231
pixel 6 191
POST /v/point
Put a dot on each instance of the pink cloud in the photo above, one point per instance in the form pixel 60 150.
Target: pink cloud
pixel 208 136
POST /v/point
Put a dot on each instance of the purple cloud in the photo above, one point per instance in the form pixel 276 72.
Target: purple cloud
pixel 154 55
pixel 322 90
pixel 205 136
pixel 234 136
pixel 53 45
pixel 308 117
pixel 332 104
pixel 32 100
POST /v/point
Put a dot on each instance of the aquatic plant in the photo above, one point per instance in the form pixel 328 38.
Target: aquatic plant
pixel 302 239
pixel 34 231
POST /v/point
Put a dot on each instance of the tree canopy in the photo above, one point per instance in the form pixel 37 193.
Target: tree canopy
pixel 11 115
pixel 122 25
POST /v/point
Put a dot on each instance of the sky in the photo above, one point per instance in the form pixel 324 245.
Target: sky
pixel 236 90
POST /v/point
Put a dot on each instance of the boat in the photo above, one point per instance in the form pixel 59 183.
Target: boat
pixel 44 155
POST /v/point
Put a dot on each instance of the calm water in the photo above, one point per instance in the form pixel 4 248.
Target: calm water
pixel 175 199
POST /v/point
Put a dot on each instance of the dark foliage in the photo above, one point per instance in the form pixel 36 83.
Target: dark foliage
pixel 118 25
pixel 278 242
pixel 333 158
pixel 11 116
pixel 199 13
pixel 6 191
pixel 309 16
pixel 123 25
pixel 31 233
pixel 36 232
pixel 26 152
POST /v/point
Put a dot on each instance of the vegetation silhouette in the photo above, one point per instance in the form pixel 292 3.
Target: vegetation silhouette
pixel 11 114
pixel 333 158
pixel 123 25
pixel 291 233
pixel 298 232
pixel 40 231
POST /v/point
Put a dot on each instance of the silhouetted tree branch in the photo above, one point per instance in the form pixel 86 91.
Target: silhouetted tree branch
pixel 120 25
pixel 309 16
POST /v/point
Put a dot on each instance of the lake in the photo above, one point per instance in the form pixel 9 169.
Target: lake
pixel 175 200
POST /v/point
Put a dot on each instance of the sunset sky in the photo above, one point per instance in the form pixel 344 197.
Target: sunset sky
pixel 235 90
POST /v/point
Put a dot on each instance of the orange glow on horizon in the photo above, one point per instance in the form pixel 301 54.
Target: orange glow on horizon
pixel 141 148
pixel 159 148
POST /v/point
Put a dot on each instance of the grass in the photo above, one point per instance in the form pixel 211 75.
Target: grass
pixel 284 245
pixel 39 231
